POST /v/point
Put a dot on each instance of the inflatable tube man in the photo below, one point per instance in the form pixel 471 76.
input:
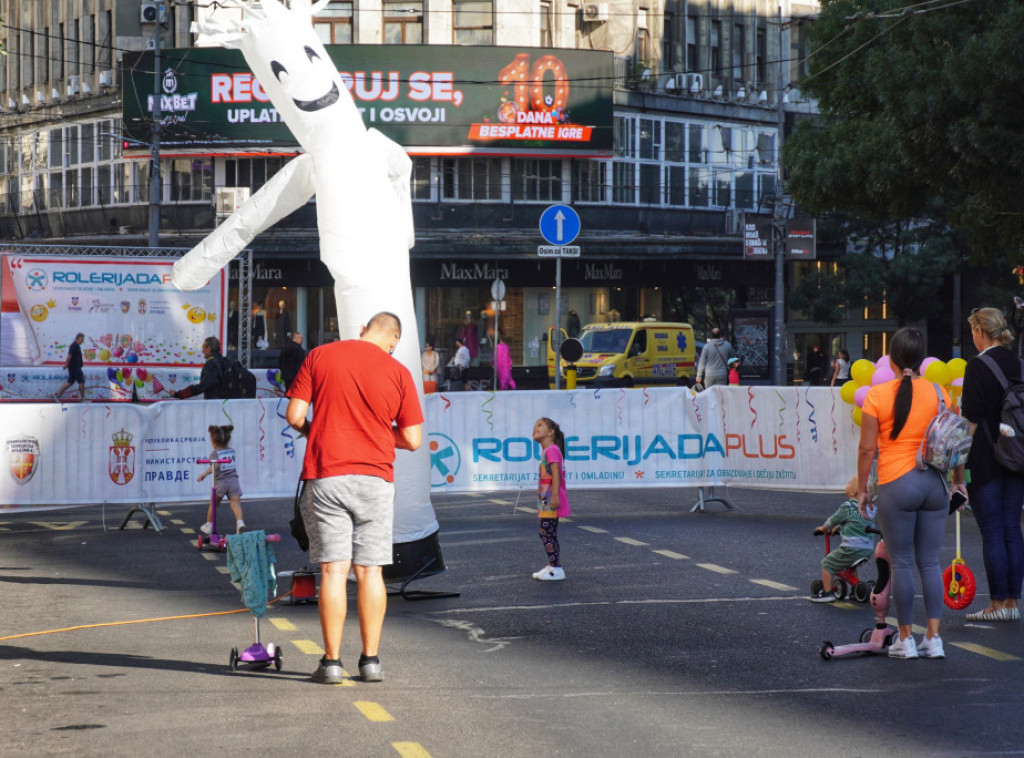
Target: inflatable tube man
pixel 364 212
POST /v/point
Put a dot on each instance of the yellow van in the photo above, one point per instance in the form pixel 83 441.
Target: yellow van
pixel 632 354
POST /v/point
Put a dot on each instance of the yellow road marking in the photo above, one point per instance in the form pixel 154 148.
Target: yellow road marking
pixel 209 556
pixel 187 530
pixel 524 509
pixel 373 711
pixel 59 526
pixel 308 647
pixel 672 554
pixel 164 513
pixel 283 625
pixel 565 520
pixel 223 569
pixel 772 585
pixel 843 605
pixel 500 502
pixel 629 541
pixel 986 651
pixel 594 529
pixel 716 568
pixel 410 750
pixel 177 521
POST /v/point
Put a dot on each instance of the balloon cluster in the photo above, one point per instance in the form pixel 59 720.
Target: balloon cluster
pixel 864 375
pixel 274 377
pixel 125 376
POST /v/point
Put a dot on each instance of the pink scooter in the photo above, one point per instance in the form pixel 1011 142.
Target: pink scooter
pixel 874 641
pixel 213 539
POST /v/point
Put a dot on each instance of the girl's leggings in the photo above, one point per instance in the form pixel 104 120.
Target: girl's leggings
pixel 912 513
pixel 549 538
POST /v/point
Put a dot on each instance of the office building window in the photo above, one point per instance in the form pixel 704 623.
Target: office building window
pixel 473 22
pixel 546 36
pixel 739 52
pixel 760 69
pixel 625 136
pixel 668 43
pixel 403 22
pixel 334 24
pixel 623 182
pixel 590 181
pixel 420 181
pixel 716 48
pixel 698 180
pixel 692 60
pixel 536 179
pixel 471 179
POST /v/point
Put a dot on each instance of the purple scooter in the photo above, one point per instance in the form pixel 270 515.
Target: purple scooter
pixel 258 656
pixel 874 641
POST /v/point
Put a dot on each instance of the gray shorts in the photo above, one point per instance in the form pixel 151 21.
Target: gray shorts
pixel 351 518
pixel 227 486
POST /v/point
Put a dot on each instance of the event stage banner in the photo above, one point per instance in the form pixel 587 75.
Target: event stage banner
pixel 792 438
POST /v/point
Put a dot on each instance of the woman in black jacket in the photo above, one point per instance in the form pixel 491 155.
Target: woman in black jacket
pixel 996 493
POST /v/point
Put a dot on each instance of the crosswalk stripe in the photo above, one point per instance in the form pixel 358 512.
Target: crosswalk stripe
pixel 283 624
pixel 410 750
pixel 773 585
pixel 594 529
pixel 630 541
pixel 209 556
pixel 716 568
pixel 373 711
pixel 986 651
pixel 223 569
pixel 308 647
pixel 187 530
pixel 672 554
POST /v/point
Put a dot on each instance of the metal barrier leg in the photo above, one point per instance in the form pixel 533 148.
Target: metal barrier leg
pixel 707 495
pixel 407 594
pixel 149 511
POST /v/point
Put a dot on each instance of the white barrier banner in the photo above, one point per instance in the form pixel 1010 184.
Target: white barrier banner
pixel 795 438
pixel 767 437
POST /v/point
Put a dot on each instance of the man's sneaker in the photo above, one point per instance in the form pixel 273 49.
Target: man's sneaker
pixel 328 672
pixel 823 597
pixel 207 528
pixel 369 668
pixel 550 574
pixel 905 648
pixel 931 647
pixel 239 526
pixel 56 397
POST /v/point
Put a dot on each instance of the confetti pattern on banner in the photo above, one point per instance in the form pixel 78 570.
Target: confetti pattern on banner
pixel 224 410
pixel 725 425
pixel 572 399
pixel 832 413
pixel 750 404
pixel 647 398
pixel 84 414
pixel 696 408
pixel 447 402
pixel 810 416
pixel 796 409
pixel 597 393
pixel 263 433
pixel 618 405
pixel 781 409
pixel 286 430
pixel 488 413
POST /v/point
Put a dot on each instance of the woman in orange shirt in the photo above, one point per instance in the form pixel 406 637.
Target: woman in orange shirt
pixel 913 504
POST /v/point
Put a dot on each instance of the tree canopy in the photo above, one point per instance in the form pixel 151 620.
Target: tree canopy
pixel 921 117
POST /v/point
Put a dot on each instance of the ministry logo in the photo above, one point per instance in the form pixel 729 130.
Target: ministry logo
pixel 22 457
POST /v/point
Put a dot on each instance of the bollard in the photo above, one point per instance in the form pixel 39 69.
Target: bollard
pixel 570 377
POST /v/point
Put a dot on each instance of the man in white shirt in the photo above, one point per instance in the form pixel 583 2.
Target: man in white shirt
pixel 459 364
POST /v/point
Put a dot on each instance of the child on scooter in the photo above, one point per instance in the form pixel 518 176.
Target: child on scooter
pixel 225 477
pixel 857 543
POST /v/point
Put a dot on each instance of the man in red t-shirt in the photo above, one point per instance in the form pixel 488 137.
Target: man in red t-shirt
pixel 364 407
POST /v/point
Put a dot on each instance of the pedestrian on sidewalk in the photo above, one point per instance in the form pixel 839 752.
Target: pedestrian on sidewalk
pixel 552 499
pixel 73 364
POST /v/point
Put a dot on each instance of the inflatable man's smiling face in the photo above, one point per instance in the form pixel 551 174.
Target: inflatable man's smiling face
pixel 292 67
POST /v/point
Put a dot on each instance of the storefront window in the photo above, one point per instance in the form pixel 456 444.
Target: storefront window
pixel 537 179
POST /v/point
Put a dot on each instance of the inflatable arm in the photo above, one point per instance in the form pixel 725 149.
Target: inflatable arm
pixel 287 191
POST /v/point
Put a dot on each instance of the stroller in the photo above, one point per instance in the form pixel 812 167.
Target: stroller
pixel 873 641
pixel 251 560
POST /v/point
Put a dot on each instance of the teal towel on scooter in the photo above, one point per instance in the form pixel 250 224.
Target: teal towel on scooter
pixel 251 562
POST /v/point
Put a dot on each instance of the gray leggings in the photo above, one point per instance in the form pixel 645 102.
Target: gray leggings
pixel 912 513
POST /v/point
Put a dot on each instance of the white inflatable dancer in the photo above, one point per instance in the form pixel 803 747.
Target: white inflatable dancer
pixel 364 212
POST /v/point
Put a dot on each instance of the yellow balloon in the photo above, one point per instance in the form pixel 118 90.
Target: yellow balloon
pixel 862 370
pixel 857 414
pixel 957 366
pixel 848 390
pixel 939 373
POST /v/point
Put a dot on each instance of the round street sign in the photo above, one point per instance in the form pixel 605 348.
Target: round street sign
pixel 497 290
pixel 559 224
pixel 571 350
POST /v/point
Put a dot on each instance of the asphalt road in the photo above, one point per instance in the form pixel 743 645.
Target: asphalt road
pixel 675 634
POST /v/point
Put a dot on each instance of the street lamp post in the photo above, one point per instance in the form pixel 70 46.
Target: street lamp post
pixel 779 228
pixel 155 179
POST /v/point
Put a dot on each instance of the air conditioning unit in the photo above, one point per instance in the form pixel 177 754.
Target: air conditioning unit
pixel 74 85
pixel 595 11
pixel 694 83
pixel 152 13
pixel 230 199
pixel 106 78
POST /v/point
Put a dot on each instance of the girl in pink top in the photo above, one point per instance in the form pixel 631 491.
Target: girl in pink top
pixel 552 500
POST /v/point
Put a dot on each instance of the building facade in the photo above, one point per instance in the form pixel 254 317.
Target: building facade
pixel 695 90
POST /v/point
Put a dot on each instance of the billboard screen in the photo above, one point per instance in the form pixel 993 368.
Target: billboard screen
pixel 450 98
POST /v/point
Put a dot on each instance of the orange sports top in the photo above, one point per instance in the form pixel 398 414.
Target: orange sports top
pixel 897 457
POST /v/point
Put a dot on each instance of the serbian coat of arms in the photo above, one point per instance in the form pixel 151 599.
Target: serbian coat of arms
pixel 22 457
pixel 121 466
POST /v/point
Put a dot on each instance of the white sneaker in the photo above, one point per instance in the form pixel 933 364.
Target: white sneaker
pixel 239 526
pixel 207 528
pixel 550 574
pixel 905 648
pixel 931 647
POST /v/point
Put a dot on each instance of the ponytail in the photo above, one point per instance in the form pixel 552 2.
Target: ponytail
pixel 558 433
pixel 901 406
pixel 221 435
pixel 906 351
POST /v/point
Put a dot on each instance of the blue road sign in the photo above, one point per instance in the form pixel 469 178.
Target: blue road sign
pixel 559 224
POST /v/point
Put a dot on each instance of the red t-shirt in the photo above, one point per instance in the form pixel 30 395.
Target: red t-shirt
pixel 357 391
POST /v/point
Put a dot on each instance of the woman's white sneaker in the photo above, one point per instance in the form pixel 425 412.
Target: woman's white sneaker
pixel 905 648
pixel 550 574
pixel 931 647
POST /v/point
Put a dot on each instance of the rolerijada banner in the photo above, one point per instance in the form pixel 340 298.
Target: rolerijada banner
pixel 787 438
pixel 420 96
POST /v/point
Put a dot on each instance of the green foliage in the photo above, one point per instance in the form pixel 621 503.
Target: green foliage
pixel 920 117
